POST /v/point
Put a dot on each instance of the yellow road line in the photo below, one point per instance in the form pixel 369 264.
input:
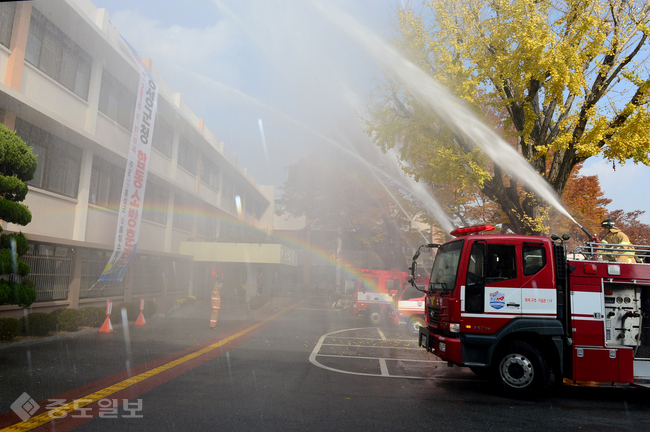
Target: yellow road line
pixel 74 405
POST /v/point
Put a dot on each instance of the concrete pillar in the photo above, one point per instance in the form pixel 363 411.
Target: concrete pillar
pixel 18 46
pixel 9 120
pixel 175 141
pixel 75 282
pixel 128 285
pixel 81 209
pixel 170 222
pixel 93 96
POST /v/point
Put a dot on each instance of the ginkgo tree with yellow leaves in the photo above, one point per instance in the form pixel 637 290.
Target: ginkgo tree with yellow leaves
pixel 563 80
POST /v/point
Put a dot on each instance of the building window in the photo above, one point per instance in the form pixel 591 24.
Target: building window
pixel 59 162
pixel 154 208
pixel 227 195
pixel 183 218
pixel 106 182
pixel 163 137
pixel 7 13
pixel 207 226
pixel 210 173
pixel 187 155
pixel 52 52
pixel 260 208
pixel 116 101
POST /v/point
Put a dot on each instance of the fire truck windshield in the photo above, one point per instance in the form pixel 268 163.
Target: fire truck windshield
pixel 445 267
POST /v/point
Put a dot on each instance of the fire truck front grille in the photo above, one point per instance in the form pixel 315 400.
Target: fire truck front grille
pixel 434 315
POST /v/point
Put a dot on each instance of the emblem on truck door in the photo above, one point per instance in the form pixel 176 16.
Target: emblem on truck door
pixel 497 300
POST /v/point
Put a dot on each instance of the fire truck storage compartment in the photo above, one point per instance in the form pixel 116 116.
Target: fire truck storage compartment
pixel 627 318
pixel 603 365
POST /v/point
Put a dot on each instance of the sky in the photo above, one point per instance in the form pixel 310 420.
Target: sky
pixel 281 62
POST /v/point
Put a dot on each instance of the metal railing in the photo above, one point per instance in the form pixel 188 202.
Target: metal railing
pixel 49 269
pixel 603 251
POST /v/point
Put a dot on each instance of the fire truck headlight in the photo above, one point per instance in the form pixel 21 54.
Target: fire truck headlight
pixel 454 327
pixel 442 347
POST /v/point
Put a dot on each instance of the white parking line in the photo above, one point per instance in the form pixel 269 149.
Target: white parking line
pixel 373 346
pixel 383 368
pixel 382 360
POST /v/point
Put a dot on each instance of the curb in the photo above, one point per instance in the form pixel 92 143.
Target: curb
pixel 60 336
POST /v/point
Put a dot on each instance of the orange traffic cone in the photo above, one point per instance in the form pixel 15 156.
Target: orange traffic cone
pixel 140 321
pixel 107 327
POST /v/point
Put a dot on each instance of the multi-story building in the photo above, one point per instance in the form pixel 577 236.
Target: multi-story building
pixel 68 88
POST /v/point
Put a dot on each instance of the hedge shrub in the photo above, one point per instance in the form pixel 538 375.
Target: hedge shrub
pixel 150 308
pixel 92 316
pixel 69 320
pixel 132 312
pixel 10 328
pixel 56 312
pixel 39 324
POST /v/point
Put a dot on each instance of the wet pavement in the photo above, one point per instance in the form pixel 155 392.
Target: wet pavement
pixel 308 367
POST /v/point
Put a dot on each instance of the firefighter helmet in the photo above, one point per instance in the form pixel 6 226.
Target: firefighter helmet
pixel 608 223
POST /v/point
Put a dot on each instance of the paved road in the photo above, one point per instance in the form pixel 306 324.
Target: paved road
pixel 305 367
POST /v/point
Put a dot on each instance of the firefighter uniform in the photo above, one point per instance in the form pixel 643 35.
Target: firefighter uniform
pixel 216 304
pixel 616 237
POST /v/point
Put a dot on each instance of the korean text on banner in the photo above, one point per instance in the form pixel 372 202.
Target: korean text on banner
pixel 135 176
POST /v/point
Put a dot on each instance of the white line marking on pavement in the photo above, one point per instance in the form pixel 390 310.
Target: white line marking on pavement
pixel 319 344
pixel 381 333
pixel 377 358
pixel 383 367
pixel 373 346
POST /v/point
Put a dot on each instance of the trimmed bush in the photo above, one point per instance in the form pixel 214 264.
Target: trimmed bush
pixel 132 312
pixel 10 328
pixel 258 302
pixel 92 316
pixel 56 312
pixel 39 324
pixel 69 320
pixel 150 308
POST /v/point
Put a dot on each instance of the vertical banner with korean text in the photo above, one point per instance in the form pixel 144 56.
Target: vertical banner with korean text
pixel 135 176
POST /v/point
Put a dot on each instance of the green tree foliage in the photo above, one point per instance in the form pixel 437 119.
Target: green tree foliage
pixel 17 166
pixel 565 80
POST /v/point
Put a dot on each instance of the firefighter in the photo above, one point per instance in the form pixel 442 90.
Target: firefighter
pixel 613 235
pixel 216 302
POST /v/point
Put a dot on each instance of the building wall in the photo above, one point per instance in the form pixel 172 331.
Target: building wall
pixel 28 94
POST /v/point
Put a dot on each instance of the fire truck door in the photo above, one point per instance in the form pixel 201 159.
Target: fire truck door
pixel 502 280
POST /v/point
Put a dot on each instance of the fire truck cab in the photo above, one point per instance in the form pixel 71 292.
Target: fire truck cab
pixel 512 307
pixel 376 290
pixel 410 306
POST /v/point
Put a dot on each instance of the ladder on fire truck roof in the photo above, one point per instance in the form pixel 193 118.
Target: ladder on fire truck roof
pixel 597 250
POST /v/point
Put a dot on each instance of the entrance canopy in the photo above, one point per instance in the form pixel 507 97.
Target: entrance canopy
pixel 253 253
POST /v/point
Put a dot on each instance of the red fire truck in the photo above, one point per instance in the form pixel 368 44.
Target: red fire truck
pixel 410 306
pixel 513 308
pixel 375 293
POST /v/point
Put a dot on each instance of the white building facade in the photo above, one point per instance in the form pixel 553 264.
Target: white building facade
pixel 67 87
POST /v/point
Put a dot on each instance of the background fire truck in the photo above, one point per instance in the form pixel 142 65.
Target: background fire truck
pixel 410 306
pixel 374 297
pixel 512 308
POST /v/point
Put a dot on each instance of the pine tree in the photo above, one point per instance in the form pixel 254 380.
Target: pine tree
pixel 17 165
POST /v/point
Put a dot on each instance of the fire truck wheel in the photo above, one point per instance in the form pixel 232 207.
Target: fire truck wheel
pixel 520 370
pixel 376 317
pixel 415 324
